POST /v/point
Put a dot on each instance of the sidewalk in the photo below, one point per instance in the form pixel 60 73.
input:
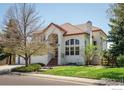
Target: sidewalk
pixel 7 68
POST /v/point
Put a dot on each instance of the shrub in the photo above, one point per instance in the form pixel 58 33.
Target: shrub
pixel 42 64
pixel 30 68
pixel 4 55
pixel 120 60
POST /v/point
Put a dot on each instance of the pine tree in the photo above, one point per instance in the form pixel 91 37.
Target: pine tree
pixel 11 36
pixel 116 35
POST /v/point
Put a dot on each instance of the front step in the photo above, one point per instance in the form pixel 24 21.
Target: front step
pixel 53 62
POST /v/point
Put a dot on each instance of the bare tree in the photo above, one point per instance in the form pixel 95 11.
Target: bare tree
pixel 27 21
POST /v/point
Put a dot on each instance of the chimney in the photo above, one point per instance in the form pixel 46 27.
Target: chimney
pixel 89 30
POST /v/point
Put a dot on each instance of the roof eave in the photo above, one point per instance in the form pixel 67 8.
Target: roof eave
pixel 100 30
pixel 75 34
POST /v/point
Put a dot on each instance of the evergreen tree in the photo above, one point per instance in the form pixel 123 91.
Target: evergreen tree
pixel 116 35
pixel 11 37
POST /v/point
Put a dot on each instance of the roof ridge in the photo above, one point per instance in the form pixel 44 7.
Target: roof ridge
pixel 75 26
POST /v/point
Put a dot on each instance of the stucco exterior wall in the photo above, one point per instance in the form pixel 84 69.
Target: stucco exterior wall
pixel 79 59
pixel 55 30
pixel 100 38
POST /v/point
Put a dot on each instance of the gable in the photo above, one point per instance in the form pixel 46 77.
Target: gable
pixel 53 27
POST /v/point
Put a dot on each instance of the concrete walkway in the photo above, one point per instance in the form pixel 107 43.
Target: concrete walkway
pixel 7 68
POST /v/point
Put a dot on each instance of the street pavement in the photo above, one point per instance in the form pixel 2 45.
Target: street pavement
pixel 9 79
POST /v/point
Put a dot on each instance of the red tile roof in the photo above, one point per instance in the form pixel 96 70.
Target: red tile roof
pixel 70 29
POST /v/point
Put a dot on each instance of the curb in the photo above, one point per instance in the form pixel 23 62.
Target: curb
pixel 74 79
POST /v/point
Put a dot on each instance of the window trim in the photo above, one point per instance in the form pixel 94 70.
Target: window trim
pixel 74 45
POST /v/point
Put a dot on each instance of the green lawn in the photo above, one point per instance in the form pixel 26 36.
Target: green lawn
pixel 87 72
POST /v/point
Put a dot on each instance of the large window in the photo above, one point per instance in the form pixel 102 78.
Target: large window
pixel 72 41
pixel 76 42
pixel 67 42
pixel 77 50
pixel 72 47
pixel 67 50
pixel 71 50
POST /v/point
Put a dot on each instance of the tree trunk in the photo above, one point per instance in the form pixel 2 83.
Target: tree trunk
pixel 14 59
pixel 26 62
pixel 30 60
pixel 10 59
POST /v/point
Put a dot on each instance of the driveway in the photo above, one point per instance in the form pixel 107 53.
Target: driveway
pixel 31 80
pixel 7 68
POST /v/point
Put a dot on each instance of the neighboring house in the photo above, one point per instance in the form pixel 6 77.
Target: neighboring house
pixel 71 41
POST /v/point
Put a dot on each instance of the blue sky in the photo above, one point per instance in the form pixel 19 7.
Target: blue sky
pixel 72 13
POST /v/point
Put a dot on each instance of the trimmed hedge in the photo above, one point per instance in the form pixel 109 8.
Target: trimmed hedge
pixel 30 68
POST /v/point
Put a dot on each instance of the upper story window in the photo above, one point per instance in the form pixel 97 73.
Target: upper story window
pixel 72 47
pixel 72 41
pixel 76 42
pixel 67 42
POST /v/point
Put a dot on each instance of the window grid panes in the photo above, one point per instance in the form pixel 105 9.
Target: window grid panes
pixel 76 42
pixel 67 42
pixel 76 50
pixel 71 50
pixel 72 47
pixel 67 51
pixel 72 41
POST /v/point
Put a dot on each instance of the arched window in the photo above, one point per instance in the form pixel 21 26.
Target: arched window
pixel 72 47
pixel 76 42
pixel 67 42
